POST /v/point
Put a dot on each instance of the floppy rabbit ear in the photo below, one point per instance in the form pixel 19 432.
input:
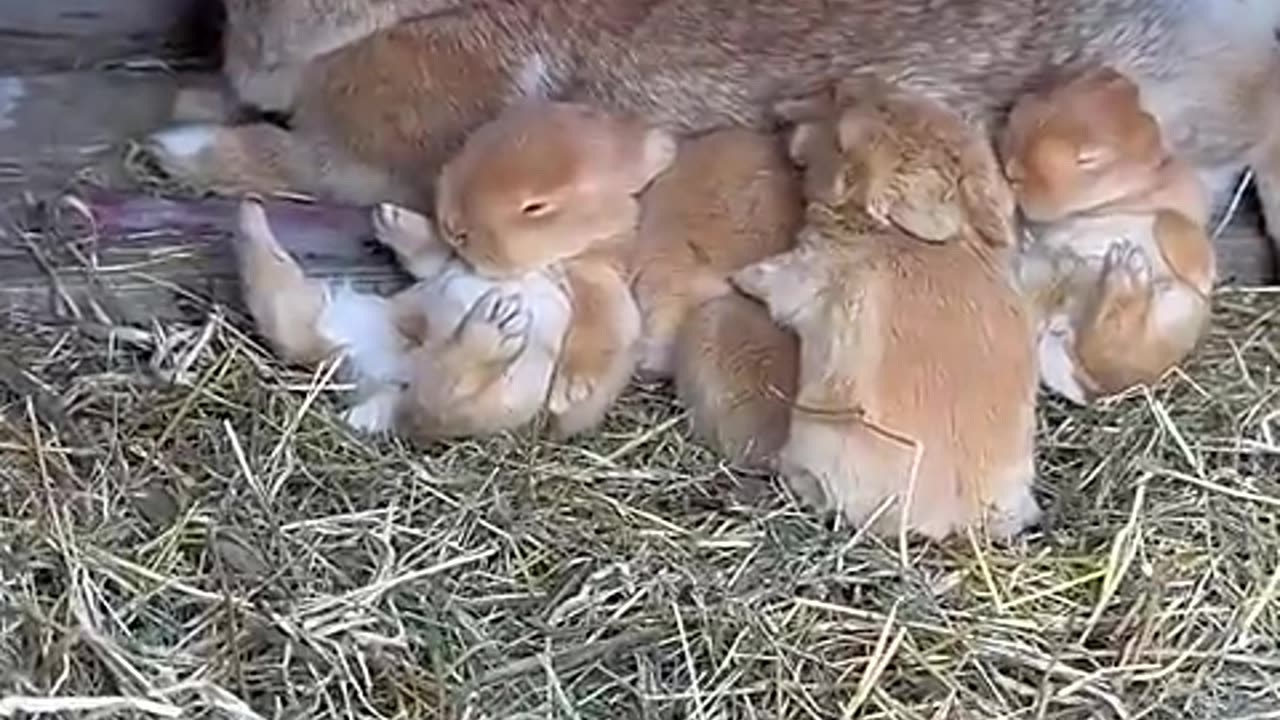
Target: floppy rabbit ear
pixel 858 127
pixel 812 106
pixel 786 283
pixel 642 152
pixel 925 207
pixel 991 208
pixel 813 147
pixel 658 152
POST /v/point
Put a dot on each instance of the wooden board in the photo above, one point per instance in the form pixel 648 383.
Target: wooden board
pixel 1245 255
pixel 60 35
pixel 57 126
pixel 138 258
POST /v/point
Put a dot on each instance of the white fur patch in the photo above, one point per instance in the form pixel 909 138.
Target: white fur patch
pixel 376 413
pixel 185 141
pixel 361 324
pixel 12 90
pixel 1057 369
pixel 1176 307
pixel 533 80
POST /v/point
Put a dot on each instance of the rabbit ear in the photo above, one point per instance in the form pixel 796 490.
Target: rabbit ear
pixel 812 106
pixel 813 147
pixel 925 207
pixel 991 208
pixel 860 127
pixel 658 152
pixel 1107 80
pixel 786 283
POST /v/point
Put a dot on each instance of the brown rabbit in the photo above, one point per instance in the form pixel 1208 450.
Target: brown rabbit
pixel 557 184
pixel 917 369
pixel 735 372
pixel 526 274
pixel 1117 258
pixel 368 117
pixel 731 198
pixel 454 354
pixel 269 42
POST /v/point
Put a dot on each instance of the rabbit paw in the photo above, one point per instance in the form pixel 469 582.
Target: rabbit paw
pixel 1126 270
pixel 570 389
pixel 497 327
pixel 1014 515
pixel 375 415
pixel 400 228
pixel 185 152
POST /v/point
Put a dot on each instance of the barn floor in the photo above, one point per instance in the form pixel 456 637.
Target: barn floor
pixel 186 529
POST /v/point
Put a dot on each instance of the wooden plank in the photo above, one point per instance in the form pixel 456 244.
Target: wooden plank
pixel 58 126
pixel 60 35
pixel 139 258
pixel 1245 255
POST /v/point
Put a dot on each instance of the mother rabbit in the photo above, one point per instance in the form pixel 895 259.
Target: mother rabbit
pixel 379 92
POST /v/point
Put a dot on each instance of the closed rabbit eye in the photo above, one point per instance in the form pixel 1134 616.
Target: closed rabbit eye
pixel 535 208
pixel 1091 158
pixel 455 236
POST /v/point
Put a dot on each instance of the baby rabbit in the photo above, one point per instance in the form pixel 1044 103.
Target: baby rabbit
pixel 735 372
pixel 535 214
pixel 1117 260
pixel 731 198
pixel 551 184
pixel 454 354
pixel 917 374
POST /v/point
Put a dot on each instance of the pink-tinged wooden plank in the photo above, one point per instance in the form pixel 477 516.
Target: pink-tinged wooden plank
pixel 141 257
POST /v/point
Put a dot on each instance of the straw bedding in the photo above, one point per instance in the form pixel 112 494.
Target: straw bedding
pixel 186 529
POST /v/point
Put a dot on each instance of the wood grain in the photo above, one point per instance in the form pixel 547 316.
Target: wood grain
pixel 60 35
pixel 61 126
pixel 135 258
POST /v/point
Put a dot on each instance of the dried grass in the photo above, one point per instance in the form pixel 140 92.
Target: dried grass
pixel 187 530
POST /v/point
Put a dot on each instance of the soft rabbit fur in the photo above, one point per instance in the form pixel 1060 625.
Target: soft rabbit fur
pixel 454 354
pixel 269 42
pixel 1117 258
pixel 521 300
pixel 917 370
pixel 556 185
pixel 370 116
pixel 730 199
pixel 736 372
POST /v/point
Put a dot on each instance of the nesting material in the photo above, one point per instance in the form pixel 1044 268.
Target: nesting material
pixel 187 525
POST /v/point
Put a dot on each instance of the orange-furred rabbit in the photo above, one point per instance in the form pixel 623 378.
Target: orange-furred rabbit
pixel 916 382
pixel 522 297
pixel 1116 259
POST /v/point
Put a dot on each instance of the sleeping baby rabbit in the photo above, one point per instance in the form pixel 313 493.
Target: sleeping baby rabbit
pixel 731 198
pixel 916 385
pixel 454 354
pixel 1117 260
pixel 519 303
